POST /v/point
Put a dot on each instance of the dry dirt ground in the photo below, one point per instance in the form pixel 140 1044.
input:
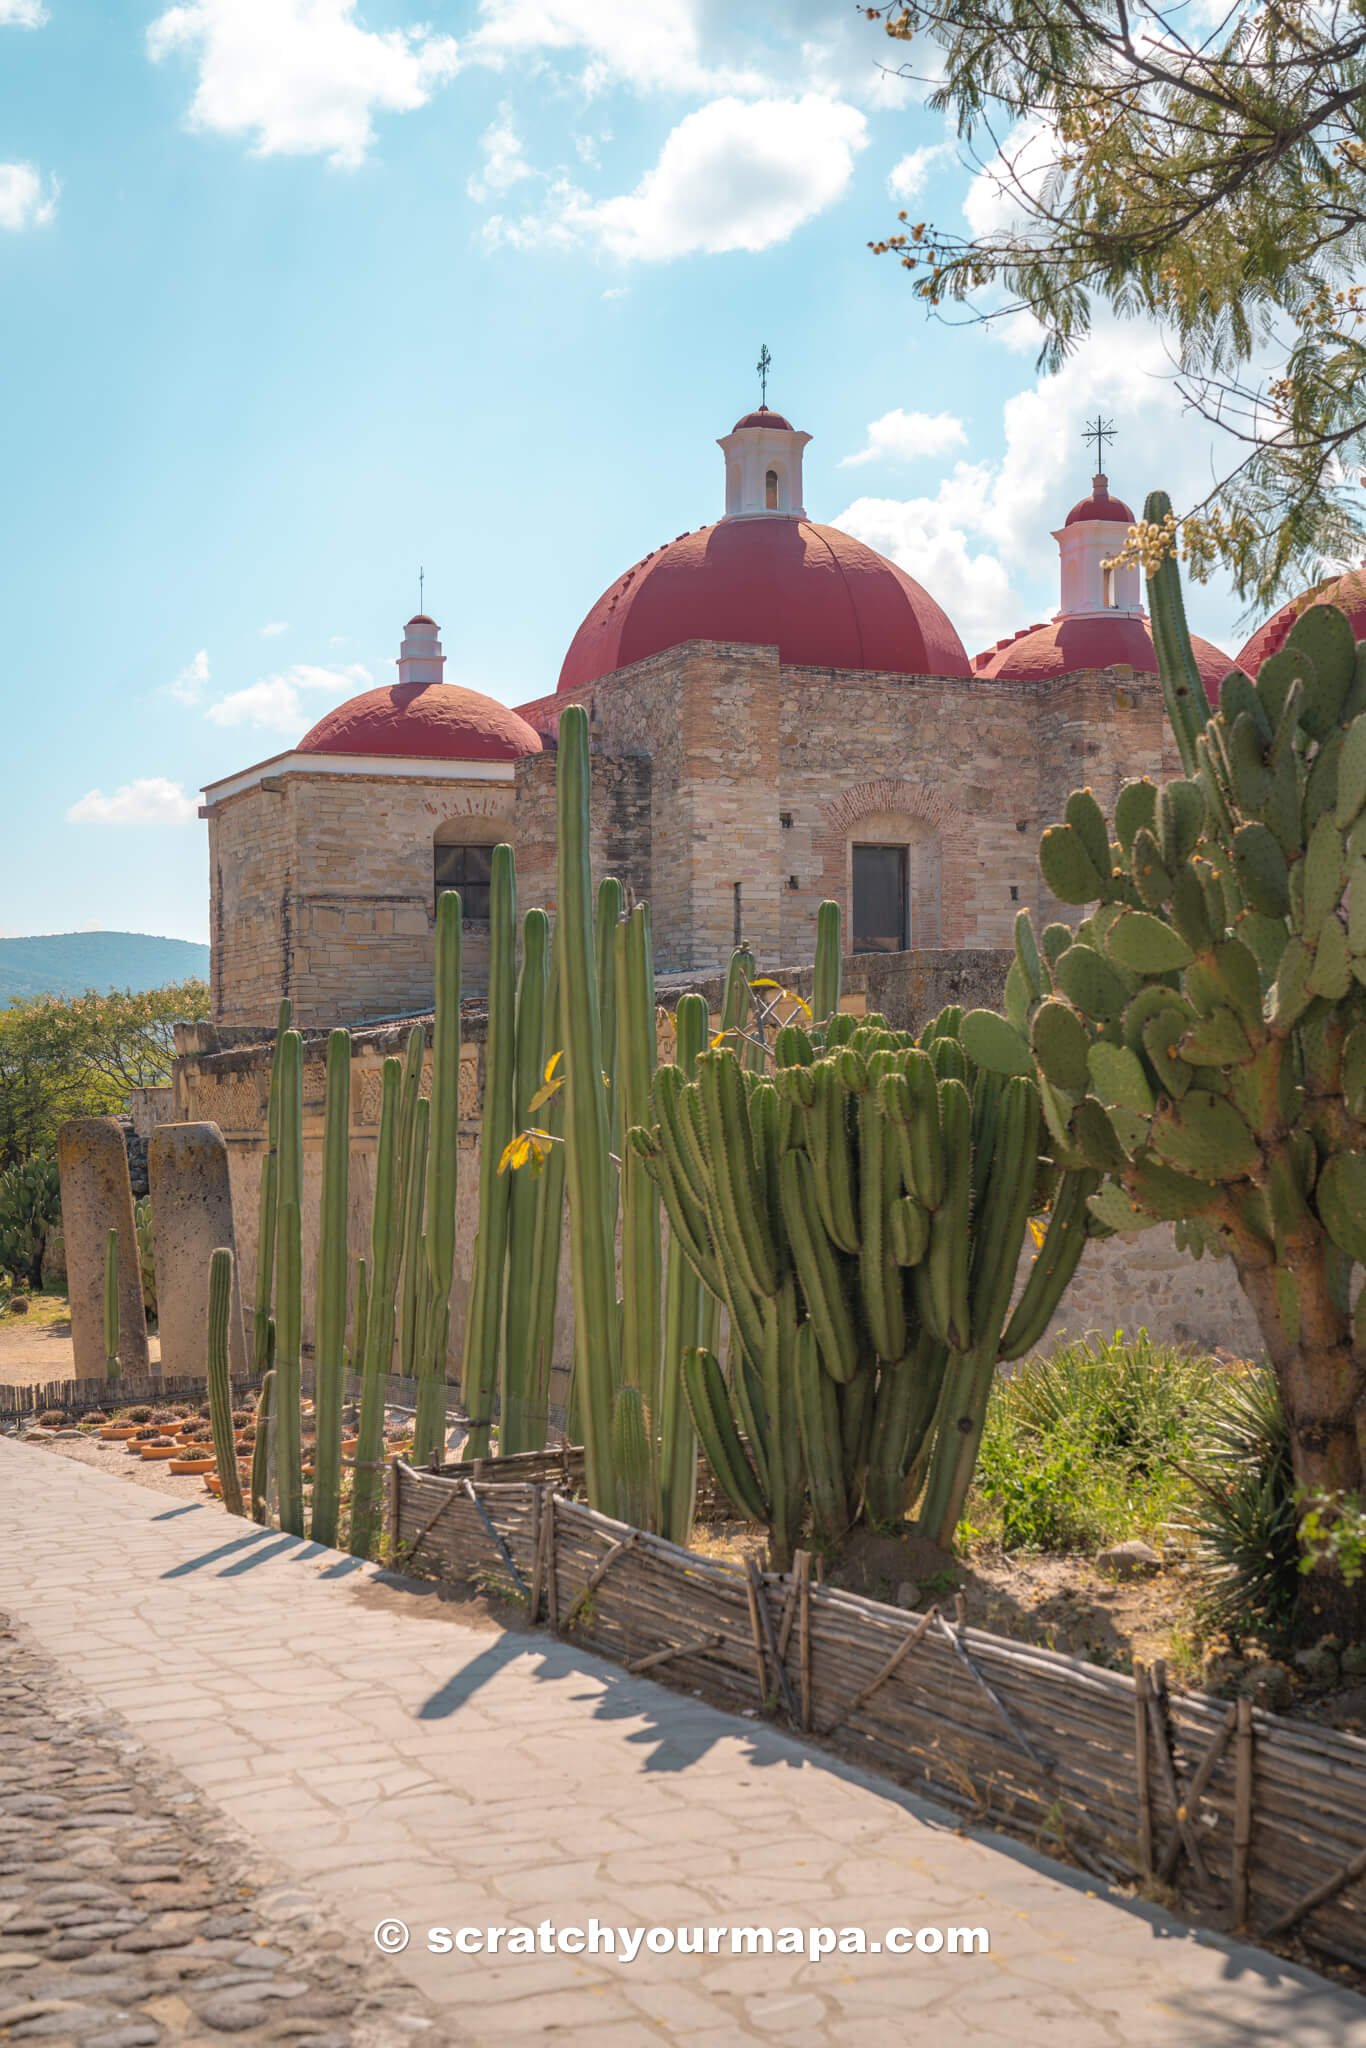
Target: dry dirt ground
pixel 36 1347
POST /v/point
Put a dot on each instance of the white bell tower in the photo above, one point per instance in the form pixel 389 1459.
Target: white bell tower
pixel 763 454
pixel 420 659
pixel 1093 533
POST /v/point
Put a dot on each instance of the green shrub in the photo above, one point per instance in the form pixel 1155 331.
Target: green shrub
pixel 1244 1518
pixel 30 1209
pixel 1086 1447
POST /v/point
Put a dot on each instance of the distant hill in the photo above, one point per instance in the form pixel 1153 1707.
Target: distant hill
pixel 69 963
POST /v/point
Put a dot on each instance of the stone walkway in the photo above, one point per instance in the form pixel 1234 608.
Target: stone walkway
pixel 398 1762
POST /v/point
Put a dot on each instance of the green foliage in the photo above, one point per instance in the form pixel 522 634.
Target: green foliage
pixel 1333 1532
pixel 1244 1519
pixel 222 1307
pixel 147 1268
pixel 1210 175
pixel 30 1211
pixel 1087 1447
pixel 80 1055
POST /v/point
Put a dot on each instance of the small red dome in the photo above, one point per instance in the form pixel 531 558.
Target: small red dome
pixel 423 721
pixel 1347 592
pixel 421 619
pixel 762 418
pixel 822 598
pixel 1100 505
pixel 1090 640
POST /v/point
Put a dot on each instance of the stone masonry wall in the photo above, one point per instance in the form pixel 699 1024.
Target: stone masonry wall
pixel 323 891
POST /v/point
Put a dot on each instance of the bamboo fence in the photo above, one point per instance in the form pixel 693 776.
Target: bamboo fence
pixel 1254 1821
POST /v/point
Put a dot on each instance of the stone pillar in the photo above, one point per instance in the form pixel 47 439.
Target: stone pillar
pixel 191 1217
pixel 97 1197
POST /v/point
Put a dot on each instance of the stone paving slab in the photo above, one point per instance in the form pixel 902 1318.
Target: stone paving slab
pixel 401 1762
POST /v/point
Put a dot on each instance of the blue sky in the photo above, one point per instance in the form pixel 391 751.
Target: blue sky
pixel 299 294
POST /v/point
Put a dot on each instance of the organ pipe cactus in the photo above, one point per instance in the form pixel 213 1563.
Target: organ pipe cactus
pixel 689 1323
pixel 289 1287
pixel 386 1225
pixel 330 1320
pixel 219 1382
pixel 825 981
pixel 262 1445
pixel 641 1254
pixel 1200 1039
pixel 860 1211
pixel 548 1229
pixel 588 1164
pixel 111 1305
pixel 522 1417
pixel 484 1320
pixel 262 1325
pixel 443 1156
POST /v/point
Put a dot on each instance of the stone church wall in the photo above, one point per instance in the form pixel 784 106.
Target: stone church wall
pixel 322 890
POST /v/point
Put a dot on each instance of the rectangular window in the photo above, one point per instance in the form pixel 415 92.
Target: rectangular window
pixel 468 869
pixel 881 920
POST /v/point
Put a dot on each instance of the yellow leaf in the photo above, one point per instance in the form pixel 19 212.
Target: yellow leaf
pixel 1036 1231
pixel 719 1040
pixel 515 1153
pixel 552 1063
pixel 543 1095
pixel 766 984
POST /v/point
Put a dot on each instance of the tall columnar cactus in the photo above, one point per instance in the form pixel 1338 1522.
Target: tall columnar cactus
pixel 221 1297
pixel 289 1287
pixel 1200 1039
pixel 262 1450
pixel 588 1163
pixel 263 1343
pixel 548 1229
pixel 111 1305
pixel 330 1318
pixel 689 1324
pixel 414 1305
pixel 825 982
pixel 859 1210
pixel 522 1417
pixel 443 1156
pixel 386 1226
pixel 641 1253
pixel 484 1321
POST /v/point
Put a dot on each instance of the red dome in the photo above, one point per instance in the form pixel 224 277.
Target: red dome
pixel 431 721
pixel 1348 592
pixel 762 418
pixel 1100 505
pixel 823 599
pixel 1091 640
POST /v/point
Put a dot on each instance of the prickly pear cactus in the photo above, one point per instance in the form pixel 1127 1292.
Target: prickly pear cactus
pixel 1200 1038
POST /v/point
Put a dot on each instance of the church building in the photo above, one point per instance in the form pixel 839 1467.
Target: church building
pixel 778 715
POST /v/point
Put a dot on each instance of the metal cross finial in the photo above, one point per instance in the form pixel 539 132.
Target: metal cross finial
pixel 762 366
pixel 421 588
pixel 1100 431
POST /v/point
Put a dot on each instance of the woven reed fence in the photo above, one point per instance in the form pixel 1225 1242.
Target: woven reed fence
pixel 1255 1821
pixel 159 1388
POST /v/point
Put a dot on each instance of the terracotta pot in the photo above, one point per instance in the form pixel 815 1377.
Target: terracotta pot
pixel 118 1432
pixel 204 1465
pixel 151 1452
pixel 350 1445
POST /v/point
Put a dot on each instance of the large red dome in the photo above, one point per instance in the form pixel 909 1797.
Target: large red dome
pixel 1091 640
pixel 1347 592
pixel 433 721
pixel 823 599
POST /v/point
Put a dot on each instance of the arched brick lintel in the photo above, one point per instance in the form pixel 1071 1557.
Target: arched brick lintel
pixel 890 793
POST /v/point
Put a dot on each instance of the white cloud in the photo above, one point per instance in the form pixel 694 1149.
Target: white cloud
pixel 27 200
pixel 274 629
pixel 152 800
pixel 901 436
pixel 22 13
pixel 931 539
pixel 617 291
pixel 910 174
pixel 188 687
pixel 996 200
pixel 646 44
pixel 277 703
pixel 735 174
pixel 300 77
pixel 504 164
